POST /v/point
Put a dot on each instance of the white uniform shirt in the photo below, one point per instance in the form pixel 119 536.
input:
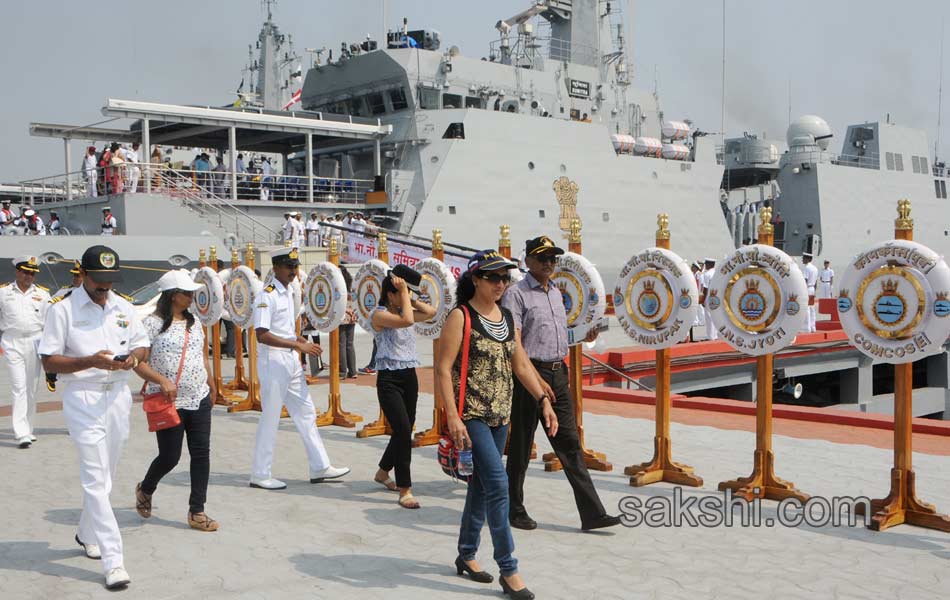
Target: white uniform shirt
pixel 131 156
pixel 275 312
pixel 826 275
pixel 288 229
pixel 297 228
pixel 313 225
pixel 22 313
pixel 89 166
pixel 810 271
pixel 76 326
pixel 109 225
pixel 62 291
pixel 705 279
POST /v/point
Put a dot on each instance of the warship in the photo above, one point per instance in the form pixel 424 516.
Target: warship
pixel 548 126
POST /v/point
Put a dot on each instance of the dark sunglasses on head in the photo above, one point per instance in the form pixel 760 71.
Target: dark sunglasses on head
pixel 496 277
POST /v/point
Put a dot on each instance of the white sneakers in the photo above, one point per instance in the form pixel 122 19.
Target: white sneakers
pixel 330 472
pixel 91 550
pixel 267 484
pixel 24 442
pixel 117 578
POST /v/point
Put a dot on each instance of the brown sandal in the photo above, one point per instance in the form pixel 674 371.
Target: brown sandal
pixel 143 502
pixel 409 501
pixel 202 522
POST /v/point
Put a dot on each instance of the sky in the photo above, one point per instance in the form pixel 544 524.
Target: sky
pixel 847 61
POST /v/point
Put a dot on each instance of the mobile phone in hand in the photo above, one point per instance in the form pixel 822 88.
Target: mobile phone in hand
pixel 120 357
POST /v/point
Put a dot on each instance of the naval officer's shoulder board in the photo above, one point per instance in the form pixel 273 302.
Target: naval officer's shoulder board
pixel 42 287
pixel 125 296
pixel 59 298
pixel 270 288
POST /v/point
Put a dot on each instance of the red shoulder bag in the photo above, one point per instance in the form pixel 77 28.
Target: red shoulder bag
pixel 448 453
pixel 161 412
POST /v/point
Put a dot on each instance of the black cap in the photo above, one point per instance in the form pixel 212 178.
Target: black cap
pixel 102 263
pixel 412 277
pixel 541 245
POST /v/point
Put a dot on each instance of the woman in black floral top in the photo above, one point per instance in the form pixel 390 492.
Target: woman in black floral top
pixel 495 357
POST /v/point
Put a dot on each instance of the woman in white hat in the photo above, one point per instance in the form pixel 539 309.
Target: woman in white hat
pixel 167 328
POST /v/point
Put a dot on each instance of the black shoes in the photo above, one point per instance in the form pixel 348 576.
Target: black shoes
pixel 522 594
pixel 601 522
pixel 522 521
pixel 479 576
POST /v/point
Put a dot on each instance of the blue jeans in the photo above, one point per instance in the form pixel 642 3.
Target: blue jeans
pixel 487 494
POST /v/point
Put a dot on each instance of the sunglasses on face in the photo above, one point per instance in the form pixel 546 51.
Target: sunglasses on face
pixel 547 258
pixel 496 277
pixel 188 293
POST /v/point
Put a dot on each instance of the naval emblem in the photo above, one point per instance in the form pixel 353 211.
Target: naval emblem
pixel 889 306
pixel 844 302
pixel 752 302
pixel 685 299
pixel 648 302
pixel 713 300
pixel 565 191
pixel 942 305
pixel 792 306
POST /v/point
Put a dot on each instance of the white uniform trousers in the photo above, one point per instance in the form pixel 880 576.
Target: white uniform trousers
pixel 283 384
pixel 812 312
pixel 24 369
pixel 134 174
pixel 824 290
pixel 97 416
pixel 711 332
pixel 91 183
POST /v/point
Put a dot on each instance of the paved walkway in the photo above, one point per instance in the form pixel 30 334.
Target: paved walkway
pixel 345 539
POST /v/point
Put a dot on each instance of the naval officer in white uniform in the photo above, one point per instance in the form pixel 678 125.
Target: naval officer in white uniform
pixel 93 338
pixel 810 271
pixel 705 281
pixel 826 281
pixel 282 378
pixel 23 306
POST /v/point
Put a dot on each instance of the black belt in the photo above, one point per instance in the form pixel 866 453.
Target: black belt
pixel 555 365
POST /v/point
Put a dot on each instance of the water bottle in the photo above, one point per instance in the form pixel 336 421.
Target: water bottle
pixel 466 467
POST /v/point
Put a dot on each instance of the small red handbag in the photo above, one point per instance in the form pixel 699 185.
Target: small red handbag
pixel 161 412
pixel 448 453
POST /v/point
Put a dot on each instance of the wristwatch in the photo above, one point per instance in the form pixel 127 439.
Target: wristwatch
pixel 541 399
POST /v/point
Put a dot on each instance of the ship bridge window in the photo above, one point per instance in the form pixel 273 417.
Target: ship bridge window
pixel 923 165
pixel 915 163
pixel 428 99
pixel 377 105
pixel 889 160
pixel 940 188
pixel 862 134
pixel 898 161
pixel 397 98
pixel 451 101
pixel 473 102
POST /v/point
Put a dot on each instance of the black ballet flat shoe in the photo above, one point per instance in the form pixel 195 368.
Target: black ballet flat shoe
pixel 522 594
pixel 601 522
pixel 478 576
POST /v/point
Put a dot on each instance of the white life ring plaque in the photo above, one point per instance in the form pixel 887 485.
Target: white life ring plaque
pixel 582 290
pixel 208 302
pixel 894 301
pixel 244 288
pixel 656 299
pixel 758 300
pixel 367 286
pixel 436 289
pixel 325 297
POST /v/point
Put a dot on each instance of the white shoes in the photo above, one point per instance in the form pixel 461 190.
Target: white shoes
pixel 330 472
pixel 32 438
pixel 267 484
pixel 117 578
pixel 91 550
pixel 24 442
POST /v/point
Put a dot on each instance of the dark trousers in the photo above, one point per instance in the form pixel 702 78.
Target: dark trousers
pixel 525 415
pixel 196 424
pixel 316 360
pixel 347 350
pixel 398 392
pixel 228 337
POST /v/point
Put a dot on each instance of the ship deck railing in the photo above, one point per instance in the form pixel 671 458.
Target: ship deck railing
pixel 211 184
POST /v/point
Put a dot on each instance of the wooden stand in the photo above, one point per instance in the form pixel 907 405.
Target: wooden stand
pixel 335 414
pixel 594 460
pixel 239 383
pixel 253 399
pixel 662 467
pixel 430 436
pixel 380 426
pixel 763 483
pixel 901 504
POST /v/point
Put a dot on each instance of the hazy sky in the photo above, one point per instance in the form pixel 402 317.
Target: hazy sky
pixel 848 61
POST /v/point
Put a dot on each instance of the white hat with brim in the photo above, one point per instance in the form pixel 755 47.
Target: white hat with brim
pixel 177 280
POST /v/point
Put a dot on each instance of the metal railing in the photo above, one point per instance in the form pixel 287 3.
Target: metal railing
pixel 626 378
pixel 251 185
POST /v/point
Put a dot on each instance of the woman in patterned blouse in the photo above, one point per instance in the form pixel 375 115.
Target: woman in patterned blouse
pixel 495 357
pixel 192 395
